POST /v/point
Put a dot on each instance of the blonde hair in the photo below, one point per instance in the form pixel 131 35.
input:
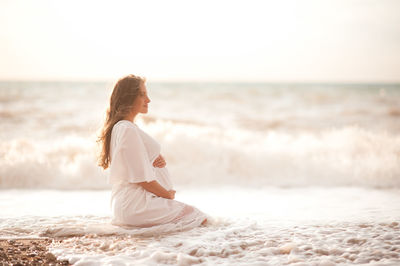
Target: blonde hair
pixel 121 101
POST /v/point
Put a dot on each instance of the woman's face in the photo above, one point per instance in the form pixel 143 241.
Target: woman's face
pixel 142 100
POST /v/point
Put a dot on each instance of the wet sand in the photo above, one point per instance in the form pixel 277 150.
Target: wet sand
pixel 28 252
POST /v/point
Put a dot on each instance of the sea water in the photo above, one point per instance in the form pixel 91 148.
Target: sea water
pixel 300 174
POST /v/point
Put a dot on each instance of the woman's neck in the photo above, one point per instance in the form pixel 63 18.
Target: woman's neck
pixel 130 117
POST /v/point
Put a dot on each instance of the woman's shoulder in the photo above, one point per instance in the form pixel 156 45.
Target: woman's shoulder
pixel 124 126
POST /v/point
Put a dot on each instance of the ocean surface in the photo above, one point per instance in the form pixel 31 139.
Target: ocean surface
pixel 298 174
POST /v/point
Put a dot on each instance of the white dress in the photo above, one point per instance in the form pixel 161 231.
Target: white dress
pixel 132 155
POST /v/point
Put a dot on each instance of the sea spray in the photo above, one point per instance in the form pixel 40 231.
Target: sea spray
pixel 204 155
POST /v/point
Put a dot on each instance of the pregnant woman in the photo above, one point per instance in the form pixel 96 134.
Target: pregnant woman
pixel 142 192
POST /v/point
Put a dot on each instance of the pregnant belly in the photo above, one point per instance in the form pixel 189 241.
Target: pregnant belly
pixel 163 178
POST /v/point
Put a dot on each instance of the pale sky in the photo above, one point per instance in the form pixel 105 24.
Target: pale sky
pixel 207 40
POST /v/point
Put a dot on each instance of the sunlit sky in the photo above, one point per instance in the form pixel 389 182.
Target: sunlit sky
pixel 208 40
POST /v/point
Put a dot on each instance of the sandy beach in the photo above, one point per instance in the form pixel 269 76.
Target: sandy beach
pixel 28 252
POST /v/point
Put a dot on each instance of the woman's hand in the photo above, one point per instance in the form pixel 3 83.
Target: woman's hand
pixel 155 188
pixel 171 194
pixel 159 162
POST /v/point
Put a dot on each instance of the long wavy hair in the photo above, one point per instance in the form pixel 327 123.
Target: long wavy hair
pixel 121 102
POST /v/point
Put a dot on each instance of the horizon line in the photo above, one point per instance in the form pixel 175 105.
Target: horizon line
pixel 77 80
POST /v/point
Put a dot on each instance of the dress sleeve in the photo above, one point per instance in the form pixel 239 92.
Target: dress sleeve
pixel 132 162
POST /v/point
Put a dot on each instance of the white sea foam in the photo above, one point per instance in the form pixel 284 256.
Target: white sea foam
pixel 239 243
pixel 274 226
pixel 213 156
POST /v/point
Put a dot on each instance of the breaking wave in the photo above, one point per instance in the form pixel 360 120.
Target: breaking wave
pixel 211 156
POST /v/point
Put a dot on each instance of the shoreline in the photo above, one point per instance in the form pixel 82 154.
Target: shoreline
pixel 28 251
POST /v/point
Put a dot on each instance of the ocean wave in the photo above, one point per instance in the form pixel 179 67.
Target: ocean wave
pixel 199 155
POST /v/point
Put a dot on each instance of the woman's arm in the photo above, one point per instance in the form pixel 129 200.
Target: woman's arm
pixel 155 188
